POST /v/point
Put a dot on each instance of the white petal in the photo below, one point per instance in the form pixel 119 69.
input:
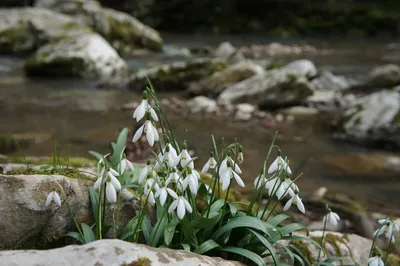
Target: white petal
pixel 113 172
pixel 206 167
pixel 288 204
pixel 153 114
pixel 382 221
pixel 172 193
pixel 181 209
pixel 274 166
pixel 115 182
pixel 300 206
pixel 97 183
pixel 163 196
pixel 122 166
pixel 130 165
pixel 140 111
pixel 57 199
pixel 173 205
pixel 142 174
pixel 212 163
pixel 237 168
pixel 152 201
pixel 111 194
pixel 49 198
pixel 193 186
pixel 155 132
pixel 138 134
pixel 238 179
pixel 187 205
pixel 149 133
pixel 225 184
pixel 336 216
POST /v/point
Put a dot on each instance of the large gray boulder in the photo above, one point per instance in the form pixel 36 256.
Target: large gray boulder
pixel 122 30
pixel 86 56
pixel 278 87
pixel 111 253
pixel 327 81
pixel 25 221
pixel 302 67
pixel 373 118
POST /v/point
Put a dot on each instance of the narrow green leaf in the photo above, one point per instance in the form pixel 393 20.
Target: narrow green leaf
pixel 217 205
pixel 157 232
pixel 246 253
pixel 189 232
pixel 277 219
pixel 206 246
pixel 333 259
pixel 129 228
pixel 75 235
pixel 233 209
pixel 88 233
pixel 290 228
pixel 169 231
pixel 306 239
pixel 202 222
pixel 135 186
pixel 119 147
pixel 299 252
pixel 267 245
pixel 186 247
pixel 244 221
pixel 147 229
pixel 94 202
pixel 96 154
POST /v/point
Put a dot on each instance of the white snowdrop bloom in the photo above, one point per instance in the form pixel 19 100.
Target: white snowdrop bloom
pixel 125 164
pixel 286 187
pixel 192 180
pixel 260 181
pixel 375 261
pixel 273 185
pixel 173 176
pixel 181 205
pixel 149 186
pixel 147 172
pixel 226 176
pixel 53 196
pixel 224 165
pixel 295 200
pixel 144 107
pixel 168 157
pixel 112 174
pixel 278 164
pixel 101 165
pixel 151 133
pixel 111 192
pixel 211 163
pixel 332 218
pixel 163 192
pixel 388 226
pixel 185 159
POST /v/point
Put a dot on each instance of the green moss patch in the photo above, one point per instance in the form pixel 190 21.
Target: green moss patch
pixel 70 172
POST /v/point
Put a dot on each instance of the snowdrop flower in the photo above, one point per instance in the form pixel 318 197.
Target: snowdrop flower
pixel 111 189
pixel 332 218
pixel 148 190
pixel 150 130
pixel 278 164
pixel 146 172
pixel 295 200
pixel 211 163
pixel 168 156
pixel 387 228
pixel 53 196
pixel 286 187
pixel 375 261
pixel 274 186
pixel 101 164
pixel 260 181
pixel 173 176
pixel 181 205
pixel 226 176
pixel 144 107
pixel 184 158
pixel 224 165
pixel 163 193
pixel 240 155
pixel 192 179
pixel 111 174
pixel 125 164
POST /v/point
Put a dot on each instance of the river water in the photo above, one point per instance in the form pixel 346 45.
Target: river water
pixel 88 119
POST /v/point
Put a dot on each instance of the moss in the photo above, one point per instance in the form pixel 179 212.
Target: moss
pixel 72 161
pixel 141 261
pixel 70 172
pixel 36 65
pixel 17 40
pixel 334 241
pixel 303 248
pixel 275 66
pixel 393 260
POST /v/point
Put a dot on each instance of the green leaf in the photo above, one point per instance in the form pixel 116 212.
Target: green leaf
pixel 94 201
pixel 87 233
pixel 189 232
pixel 186 247
pixel 130 186
pixel 158 230
pixel 96 154
pixel 119 147
pixel 299 252
pixel 244 221
pixel 233 209
pixel 290 228
pixel 304 239
pixel 201 222
pixel 267 245
pixel 333 259
pixel 169 231
pixel 278 219
pixel 75 235
pixel 206 246
pixel 217 205
pixel 147 229
pixel 245 253
pixel 129 228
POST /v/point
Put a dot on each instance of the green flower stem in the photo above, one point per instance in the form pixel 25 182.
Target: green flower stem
pixel 226 199
pixel 389 248
pixel 118 213
pixel 373 242
pixel 323 238
pixel 212 195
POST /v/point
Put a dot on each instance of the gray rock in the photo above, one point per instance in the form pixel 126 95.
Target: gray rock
pixel 108 252
pixel 176 76
pixel 217 82
pixel 27 223
pixel 329 82
pixel 87 56
pixel 382 77
pixel 244 111
pixel 274 88
pixel 374 117
pixel 302 67
pixel 225 50
pixel 125 31
pixel 202 103
pixel 174 51
pixel 300 111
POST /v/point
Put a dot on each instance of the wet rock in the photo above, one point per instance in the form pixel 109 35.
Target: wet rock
pixel 113 25
pixel 170 50
pixel 86 56
pixel 381 77
pixel 327 81
pixel 302 67
pixel 217 82
pixel 277 49
pixel 244 111
pixel 110 252
pixel 23 30
pixel 373 118
pixel 202 103
pixel 22 202
pixel 225 50
pixel 298 111
pixel 176 76
pixel 275 88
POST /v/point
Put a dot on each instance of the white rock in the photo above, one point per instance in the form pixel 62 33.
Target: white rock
pixel 225 50
pixel 329 82
pixel 302 67
pixel 244 111
pixel 202 103
pixel 300 111
pixel 108 252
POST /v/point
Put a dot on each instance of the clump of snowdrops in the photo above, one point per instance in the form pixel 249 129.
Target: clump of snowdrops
pixel 171 184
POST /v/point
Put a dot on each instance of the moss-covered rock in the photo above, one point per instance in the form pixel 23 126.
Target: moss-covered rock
pixel 176 76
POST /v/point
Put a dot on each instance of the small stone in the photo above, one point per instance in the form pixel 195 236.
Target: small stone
pixel 225 50
pixel 202 103
pixel 244 111
pixel 279 118
pixel 302 67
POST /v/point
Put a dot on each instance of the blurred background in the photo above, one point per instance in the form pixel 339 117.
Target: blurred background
pixel 321 73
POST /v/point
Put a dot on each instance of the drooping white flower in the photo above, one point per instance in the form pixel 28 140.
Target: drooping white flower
pixel 147 172
pixel 53 196
pixel 149 186
pixel 224 165
pixel 295 200
pixel 185 159
pixel 192 179
pixel 285 187
pixel 163 193
pixel 226 176
pixel 211 163
pixel 168 156
pixel 111 192
pixel 274 186
pixel 388 226
pixel 260 181
pixel 112 174
pixel 181 205
pixel 279 164
pixel 151 133
pixel 332 218
pixel 144 107
pixel 375 261
pixel 125 164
